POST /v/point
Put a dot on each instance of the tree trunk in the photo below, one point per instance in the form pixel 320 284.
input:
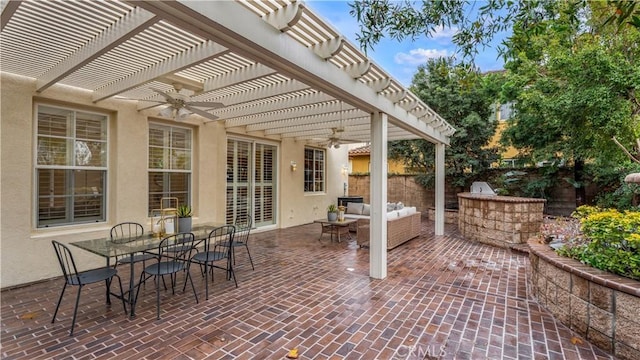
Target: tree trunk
pixel 578 177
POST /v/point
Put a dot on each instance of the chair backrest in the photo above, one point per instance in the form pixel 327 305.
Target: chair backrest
pixel 67 264
pixel 243 225
pixel 220 239
pixel 126 232
pixel 176 246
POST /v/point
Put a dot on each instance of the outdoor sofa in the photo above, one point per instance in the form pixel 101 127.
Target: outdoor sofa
pixel 403 223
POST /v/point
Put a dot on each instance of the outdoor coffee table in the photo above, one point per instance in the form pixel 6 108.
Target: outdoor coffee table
pixel 336 228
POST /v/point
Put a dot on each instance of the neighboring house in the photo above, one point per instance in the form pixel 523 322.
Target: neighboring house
pixel 107 107
pixel 360 162
pixel 503 115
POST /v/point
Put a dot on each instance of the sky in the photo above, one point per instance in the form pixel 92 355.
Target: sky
pixel 399 59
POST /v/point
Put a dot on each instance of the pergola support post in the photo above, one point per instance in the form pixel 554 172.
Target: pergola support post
pixel 439 190
pixel 378 196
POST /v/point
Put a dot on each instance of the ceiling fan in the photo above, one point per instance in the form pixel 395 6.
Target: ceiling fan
pixel 181 105
pixel 336 139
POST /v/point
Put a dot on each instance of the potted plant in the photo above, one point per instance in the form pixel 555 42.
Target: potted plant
pixel 332 212
pixel 184 218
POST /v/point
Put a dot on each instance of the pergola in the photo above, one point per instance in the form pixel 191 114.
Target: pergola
pixel 280 71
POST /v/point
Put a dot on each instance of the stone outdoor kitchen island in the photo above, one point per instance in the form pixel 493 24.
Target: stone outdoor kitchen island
pixel 502 221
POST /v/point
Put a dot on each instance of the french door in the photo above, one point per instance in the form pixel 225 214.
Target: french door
pixel 251 181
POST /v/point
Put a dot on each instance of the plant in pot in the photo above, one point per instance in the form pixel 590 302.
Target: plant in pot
pixel 332 212
pixel 184 218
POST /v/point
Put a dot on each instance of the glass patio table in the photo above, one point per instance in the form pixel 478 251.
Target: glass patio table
pixel 108 249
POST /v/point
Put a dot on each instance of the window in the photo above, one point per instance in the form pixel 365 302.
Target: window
pixel 506 111
pixel 71 166
pixel 169 164
pixel 251 181
pixel 313 170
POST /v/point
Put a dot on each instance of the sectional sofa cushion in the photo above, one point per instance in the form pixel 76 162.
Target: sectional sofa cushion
pixel 354 208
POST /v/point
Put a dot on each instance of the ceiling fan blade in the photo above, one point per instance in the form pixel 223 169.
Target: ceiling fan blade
pixel 165 95
pixel 154 101
pixel 350 141
pixel 209 104
pixel 201 112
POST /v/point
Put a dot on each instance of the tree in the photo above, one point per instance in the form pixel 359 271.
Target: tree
pixel 400 20
pixel 574 86
pixel 465 98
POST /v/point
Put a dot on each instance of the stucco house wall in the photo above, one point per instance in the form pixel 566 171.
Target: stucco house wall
pixel 26 254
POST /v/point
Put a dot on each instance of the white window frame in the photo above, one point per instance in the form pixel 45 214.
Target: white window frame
pixel 166 171
pixel 313 171
pixel 73 154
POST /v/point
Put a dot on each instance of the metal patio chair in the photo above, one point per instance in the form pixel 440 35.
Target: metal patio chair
pixel 217 249
pixel 127 232
pixel 174 256
pixel 73 277
pixel 241 237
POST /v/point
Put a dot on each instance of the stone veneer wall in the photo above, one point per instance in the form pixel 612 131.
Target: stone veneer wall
pixel 450 215
pixel 600 306
pixel 499 220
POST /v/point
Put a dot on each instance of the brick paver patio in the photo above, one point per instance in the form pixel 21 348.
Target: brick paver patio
pixel 444 297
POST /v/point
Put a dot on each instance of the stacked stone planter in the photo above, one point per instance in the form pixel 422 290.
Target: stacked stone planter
pixel 602 307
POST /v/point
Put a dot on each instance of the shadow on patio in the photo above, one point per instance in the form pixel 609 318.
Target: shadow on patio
pixel 444 297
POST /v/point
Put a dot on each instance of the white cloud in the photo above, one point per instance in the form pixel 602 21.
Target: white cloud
pixel 419 56
pixel 442 33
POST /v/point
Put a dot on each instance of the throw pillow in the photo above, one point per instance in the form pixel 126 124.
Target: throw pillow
pixel 354 208
pixel 391 207
pixel 366 209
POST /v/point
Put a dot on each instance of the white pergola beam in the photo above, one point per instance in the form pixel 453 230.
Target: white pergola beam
pixel 263 43
pixel 312 132
pixel 261 93
pixel 8 9
pixel 235 115
pixel 176 63
pixel 129 26
pixel 286 17
pixel 248 73
pixel 315 121
pixel 328 49
pixel 296 112
pixel 358 70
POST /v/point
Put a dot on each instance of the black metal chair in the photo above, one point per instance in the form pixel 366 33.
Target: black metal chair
pixel 217 247
pixel 241 238
pixel 174 256
pixel 127 232
pixel 73 277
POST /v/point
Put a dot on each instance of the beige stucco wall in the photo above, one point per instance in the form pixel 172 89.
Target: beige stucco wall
pixel 26 254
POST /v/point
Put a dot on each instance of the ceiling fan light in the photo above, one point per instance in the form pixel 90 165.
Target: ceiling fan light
pixel 182 114
pixel 166 112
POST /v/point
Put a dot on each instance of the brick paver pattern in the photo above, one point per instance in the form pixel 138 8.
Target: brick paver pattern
pixel 444 298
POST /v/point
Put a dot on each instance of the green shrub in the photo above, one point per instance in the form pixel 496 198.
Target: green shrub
pixel 585 210
pixel 612 241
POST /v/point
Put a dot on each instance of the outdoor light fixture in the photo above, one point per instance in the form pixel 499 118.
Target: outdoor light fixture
pixel 166 112
pixel 345 176
pixel 171 112
pixel 182 114
pixel 293 165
